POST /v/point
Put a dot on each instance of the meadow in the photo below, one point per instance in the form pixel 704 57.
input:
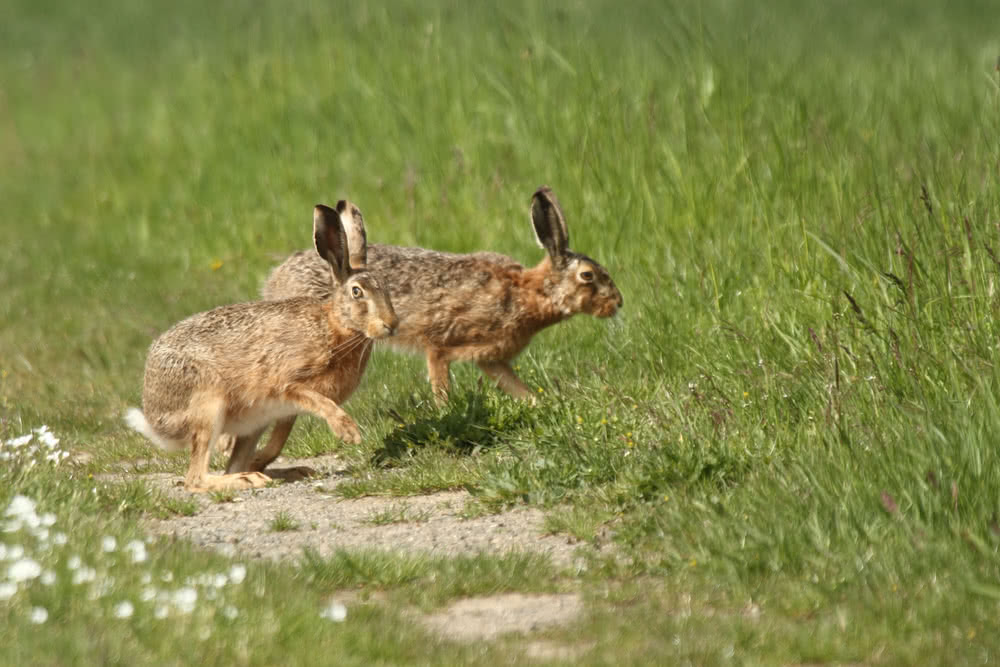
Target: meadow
pixel 795 413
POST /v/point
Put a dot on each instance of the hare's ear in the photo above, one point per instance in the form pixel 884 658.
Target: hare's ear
pixel 354 227
pixel 550 225
pixel 331 241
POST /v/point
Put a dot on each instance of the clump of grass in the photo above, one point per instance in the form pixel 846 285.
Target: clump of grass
pixel 178 506
pixel 400 513
pixel 283 522
pixel 223 495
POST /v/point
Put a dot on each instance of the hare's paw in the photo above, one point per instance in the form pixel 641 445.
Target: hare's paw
pixel 349 432
pixel 233 482
pixel 252 480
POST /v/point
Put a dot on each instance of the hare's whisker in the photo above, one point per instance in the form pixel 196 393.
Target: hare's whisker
pixel 350 342
pixel 346 350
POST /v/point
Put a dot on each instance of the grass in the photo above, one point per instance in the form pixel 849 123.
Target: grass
pixel 283 522
pixel 794 413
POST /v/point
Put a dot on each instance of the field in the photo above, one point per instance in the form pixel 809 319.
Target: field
pixel 786 442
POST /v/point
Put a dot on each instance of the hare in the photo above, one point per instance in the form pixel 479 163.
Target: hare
pixel 481 307
pixel 233 370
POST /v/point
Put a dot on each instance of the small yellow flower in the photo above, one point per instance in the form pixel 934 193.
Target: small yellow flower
pixel 635 406
pixel 746 394
pixel 540 390
pixel 680 437
pixel 629 434
pixel 579 419
pixel 603 420
pixel 630 443
pixel 216 264
pixel 693 562
pixel 972 634
pixel 666 499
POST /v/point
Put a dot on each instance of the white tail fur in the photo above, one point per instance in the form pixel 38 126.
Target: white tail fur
pixel 137 420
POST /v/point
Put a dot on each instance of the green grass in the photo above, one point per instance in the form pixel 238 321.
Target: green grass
pixel 794 413
pixel 283 522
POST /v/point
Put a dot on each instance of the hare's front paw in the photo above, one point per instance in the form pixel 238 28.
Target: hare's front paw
pixel 349 432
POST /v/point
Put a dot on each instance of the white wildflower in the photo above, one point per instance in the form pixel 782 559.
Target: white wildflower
pixel 108 544
pixel 335 611
pixel 167 576
pixel 24 570
pixel 146 578
pixel 185 599
pixel 230 612
pixel 14 552
pixel 20 506
pixel 220 580
pixel 39 615
pixel 48 577
pixel 124 609
pixel 148 594
pixel 3 551
pixel 48 439
pixel 59 539
pixel 161 611
pixel 21 441
pixel 137 549
pixel 74 562
pixel 237 573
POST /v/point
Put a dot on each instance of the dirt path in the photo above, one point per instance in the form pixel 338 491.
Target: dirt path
pixel 315 517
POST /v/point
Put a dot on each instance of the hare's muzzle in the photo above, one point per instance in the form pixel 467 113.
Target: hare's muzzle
pixel 384 328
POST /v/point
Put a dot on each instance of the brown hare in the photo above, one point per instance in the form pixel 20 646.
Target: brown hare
pixel 481 307
pixel 234 370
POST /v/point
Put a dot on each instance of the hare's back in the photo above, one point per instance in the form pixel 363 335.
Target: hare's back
pixel 228 340
pixel 303 274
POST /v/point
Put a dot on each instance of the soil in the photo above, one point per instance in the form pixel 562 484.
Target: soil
pixel 313 516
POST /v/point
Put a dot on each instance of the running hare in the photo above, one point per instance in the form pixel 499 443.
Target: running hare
pixel 480 307
pixel 233 370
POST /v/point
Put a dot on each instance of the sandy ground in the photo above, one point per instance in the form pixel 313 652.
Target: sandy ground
pixel 431 524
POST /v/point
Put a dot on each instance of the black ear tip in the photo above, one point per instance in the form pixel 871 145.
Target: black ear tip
pixel 341 206
pixel 322 209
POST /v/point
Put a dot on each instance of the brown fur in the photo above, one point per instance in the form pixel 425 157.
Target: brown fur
pixel 233 370
pixel 481 307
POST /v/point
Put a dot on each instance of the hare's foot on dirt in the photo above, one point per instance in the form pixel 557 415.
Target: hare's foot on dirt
pixel 232 482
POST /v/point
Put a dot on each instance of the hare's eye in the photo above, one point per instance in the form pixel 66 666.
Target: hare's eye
pixel 587 276
pixel 356 292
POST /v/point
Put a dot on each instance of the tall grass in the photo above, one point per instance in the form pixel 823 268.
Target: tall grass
pixel 797 405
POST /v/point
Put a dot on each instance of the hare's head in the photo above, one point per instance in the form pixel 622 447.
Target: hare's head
pixel 578 283
pixel 360 298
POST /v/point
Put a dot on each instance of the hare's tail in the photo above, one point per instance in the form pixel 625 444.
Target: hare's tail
pixel 137 420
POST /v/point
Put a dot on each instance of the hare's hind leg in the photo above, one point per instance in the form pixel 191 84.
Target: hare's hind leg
pixel 265 457
pixel 437 371
pixel 506 379
pixel 243 452
pixel 206 425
